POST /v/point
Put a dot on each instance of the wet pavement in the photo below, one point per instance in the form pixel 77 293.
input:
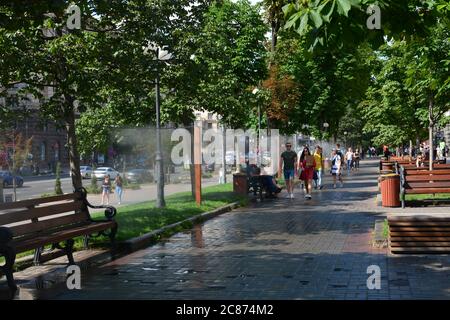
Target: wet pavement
pixel 277 249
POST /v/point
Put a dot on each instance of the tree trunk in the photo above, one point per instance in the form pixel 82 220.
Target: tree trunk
pixel 274 38
pixel 410 149
pixel 430 131
pixel 74 157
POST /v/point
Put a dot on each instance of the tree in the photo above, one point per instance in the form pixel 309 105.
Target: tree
pixel 231 54
pixel 107 60
pixel 342 23
pixel 14 152
pixel 327 83
pixel 428 76
pixel 58 190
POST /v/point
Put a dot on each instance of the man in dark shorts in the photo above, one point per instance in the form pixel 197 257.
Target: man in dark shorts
pixel 288 162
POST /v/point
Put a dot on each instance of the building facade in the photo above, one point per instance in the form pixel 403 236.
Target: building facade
pixel 47 139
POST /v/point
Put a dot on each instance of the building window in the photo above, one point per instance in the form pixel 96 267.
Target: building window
pixel 57 151
pixel 43 151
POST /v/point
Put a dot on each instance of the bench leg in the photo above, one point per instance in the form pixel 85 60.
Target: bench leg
pixel 10 259
pixel 69 251
pixel 86 242
pixel 112 236
pixel 37 256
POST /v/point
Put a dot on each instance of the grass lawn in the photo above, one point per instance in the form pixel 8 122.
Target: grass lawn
pixel 439 196
pixel 137 219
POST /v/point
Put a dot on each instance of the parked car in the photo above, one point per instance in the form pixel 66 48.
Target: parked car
pixel 101 172
pixel 209 167
pixel 8 179
pixel 138 176
pixel 86 172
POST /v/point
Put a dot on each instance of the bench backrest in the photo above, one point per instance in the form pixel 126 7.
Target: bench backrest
pixel 426 179
pixel 39 215
pixel 437 171
pixel 436 166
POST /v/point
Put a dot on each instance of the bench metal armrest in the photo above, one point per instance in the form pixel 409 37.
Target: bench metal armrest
pixel 6 235
pixel 110 211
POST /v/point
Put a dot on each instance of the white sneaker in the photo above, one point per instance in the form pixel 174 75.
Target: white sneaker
pixel 334 186
pixel 292 196
pixel 309 196
pixel 306 196
pixel 288 196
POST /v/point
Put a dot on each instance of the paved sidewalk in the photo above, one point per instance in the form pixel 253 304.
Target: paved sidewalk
pixel 281 249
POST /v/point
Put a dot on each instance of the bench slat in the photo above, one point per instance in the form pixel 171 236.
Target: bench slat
pixel 418 239
pixel 45 225
pixel 418 224
pixel 419 229
pixel 421 250
pixel 38 201
pixel 427 190
pixel 412 172
pixel 420 244
pixel 62 235
pixel 39 212
pixel 421 218
pixel 425 184
pixel 436 177
pixel 420 234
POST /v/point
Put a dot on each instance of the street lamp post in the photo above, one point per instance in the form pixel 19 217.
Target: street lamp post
pixel 160 202
pixel 259 155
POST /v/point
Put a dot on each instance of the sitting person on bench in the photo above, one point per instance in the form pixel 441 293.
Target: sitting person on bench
pixel 269 183
pixel 420 161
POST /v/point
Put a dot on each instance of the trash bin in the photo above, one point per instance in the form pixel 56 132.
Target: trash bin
pixel 390 190
pixel 240 185
pixel 388 166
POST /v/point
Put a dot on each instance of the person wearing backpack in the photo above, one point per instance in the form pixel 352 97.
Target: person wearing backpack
pixel 336 168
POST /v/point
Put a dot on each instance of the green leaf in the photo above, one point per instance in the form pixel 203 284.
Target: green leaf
pixel 316 18
pixel 344 7
pixel 292 20
pixel 303 25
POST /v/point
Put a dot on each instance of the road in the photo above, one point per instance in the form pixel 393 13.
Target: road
pixel 35 189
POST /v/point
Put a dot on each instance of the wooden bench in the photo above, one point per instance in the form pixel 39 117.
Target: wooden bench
pixel 419 234
pixel 255 186
pixel 32 224
pixel 423 182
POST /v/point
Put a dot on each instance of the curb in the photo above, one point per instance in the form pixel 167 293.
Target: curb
pixel 379 241
pixel 378 200
pixel 147 239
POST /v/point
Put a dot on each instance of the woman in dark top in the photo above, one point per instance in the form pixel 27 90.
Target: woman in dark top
pixel 106 189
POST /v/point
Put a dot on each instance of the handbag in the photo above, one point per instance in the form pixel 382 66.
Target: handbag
pixel 303 175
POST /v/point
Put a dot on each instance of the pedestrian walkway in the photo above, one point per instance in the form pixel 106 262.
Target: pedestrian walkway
pixel 280 249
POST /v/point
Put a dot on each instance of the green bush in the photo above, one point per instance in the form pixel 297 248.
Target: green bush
pixel 46 195
pixel 93 188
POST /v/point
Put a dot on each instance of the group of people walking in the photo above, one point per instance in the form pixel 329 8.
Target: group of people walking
pixel 309 167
